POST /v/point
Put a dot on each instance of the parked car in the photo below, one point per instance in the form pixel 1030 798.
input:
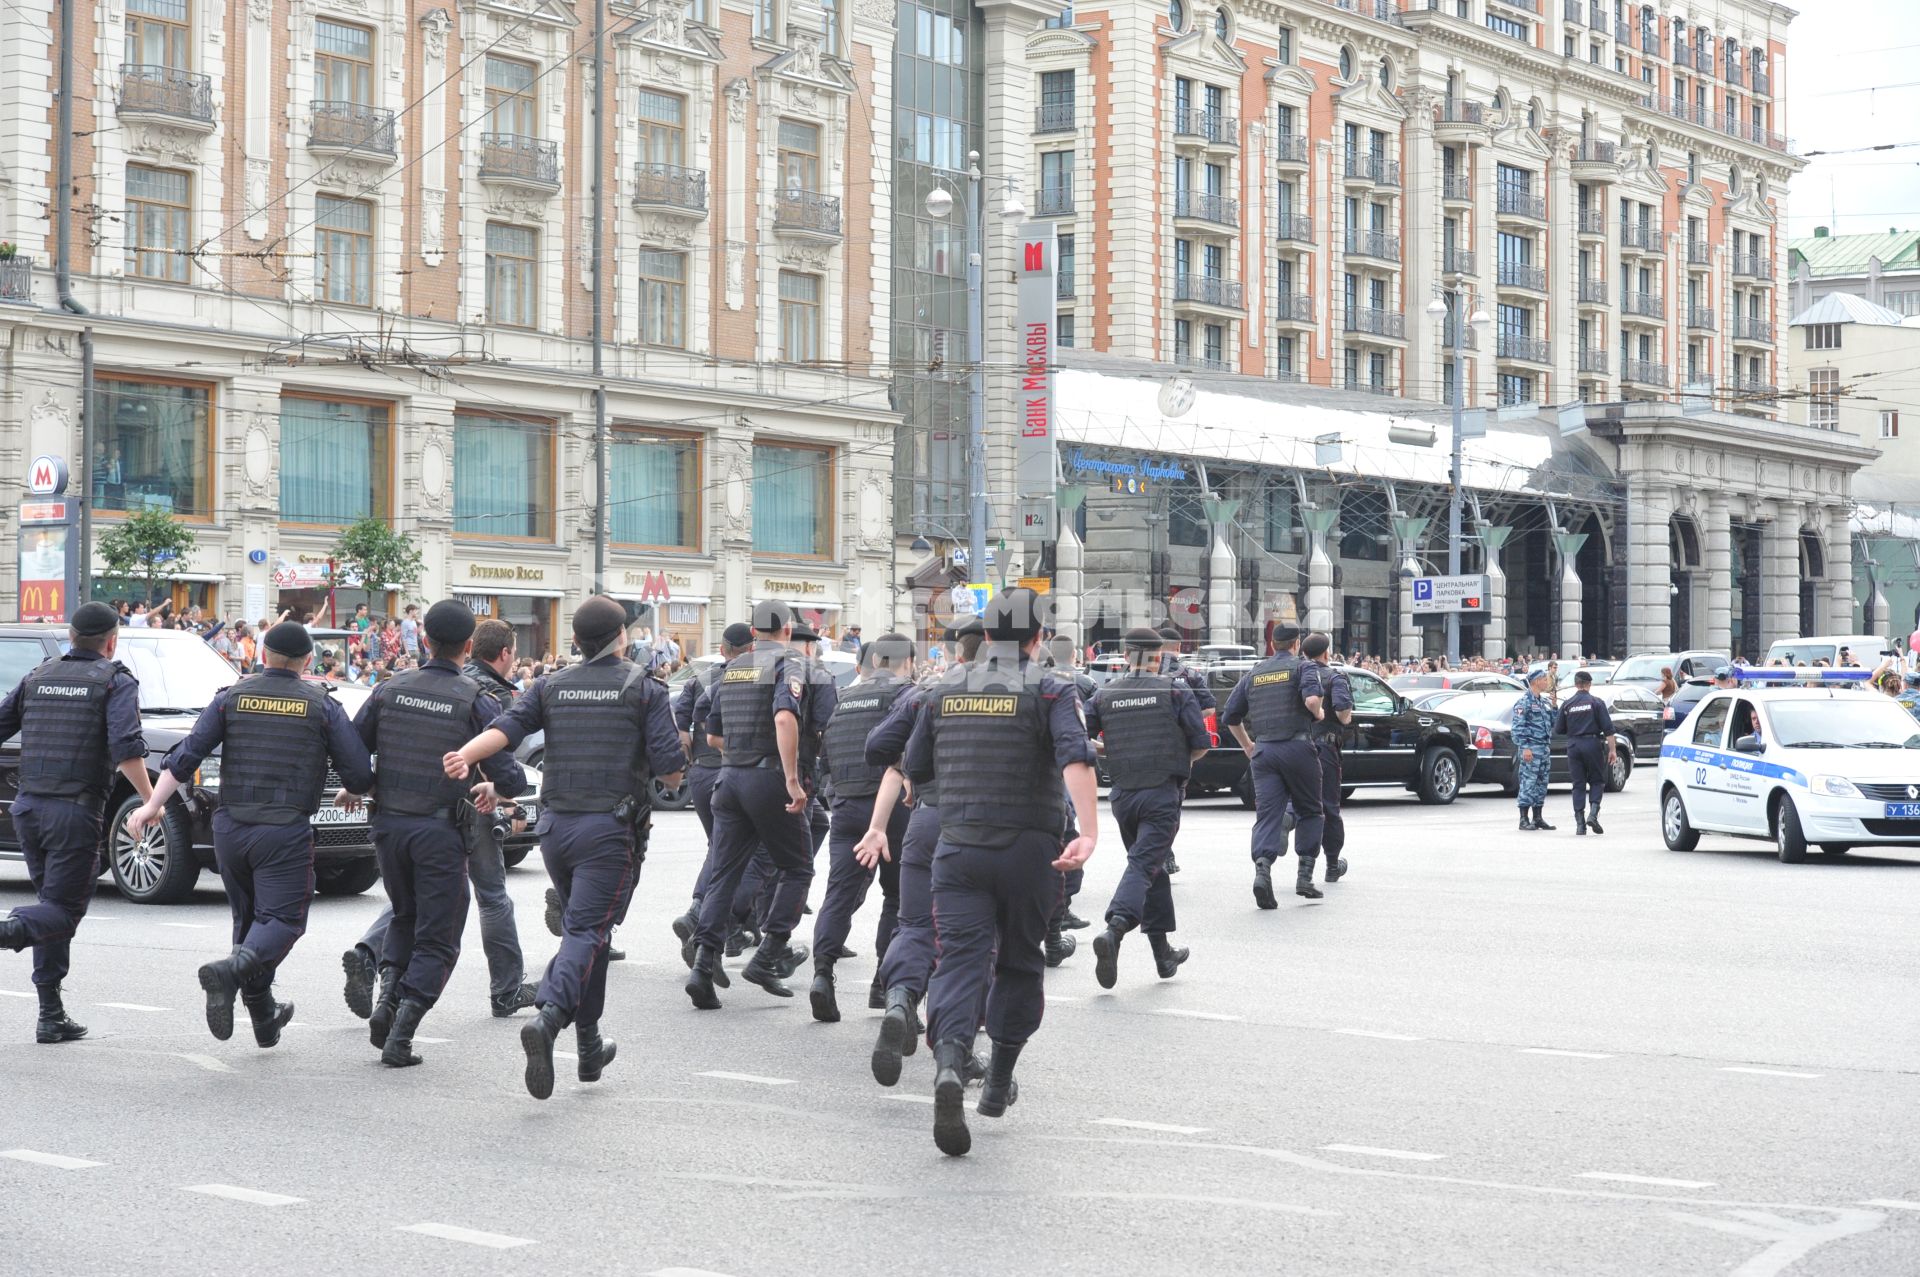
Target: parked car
pixel 1638 732
pixel 1865 650
pixel 1223 653
pixel 1455 681
pixel 1645 669
pixel 1688 695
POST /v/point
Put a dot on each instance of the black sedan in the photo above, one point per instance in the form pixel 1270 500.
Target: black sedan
pixel 1638 734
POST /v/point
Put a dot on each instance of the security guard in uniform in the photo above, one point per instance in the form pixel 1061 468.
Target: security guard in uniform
pixel 1171 664
pixel 1282 697
pixel 410 723
pixel 1153 735
pixel 609 733
pixel 703 768
pixel 1583 719
pixel 1005 742
pixel 1533 749
pixel 276 734
pixel 856 783
pixel 1326 738
pixel 78 719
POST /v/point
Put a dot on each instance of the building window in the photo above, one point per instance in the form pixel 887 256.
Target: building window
pixel 1186 514
pixel 799 317
pixel 1278 532
pixel 1515 389
pixel 1177 14
pixel 1182 340
pixel 1061 20
pixel 1509 27
pixel 1056 182
pixel 343 250
pixel 334 460
pixel 799 157
pixel 831 45
pixel 1063 260
pixel 153 445
pixel 1283 360
pixel 1063 329
pixel 1365 531
pixel 158 213
pixel 663 298
pixel 342 63
pixel 1346 65
pixel 1823 398
pixel 1214 345
pixel 1056 100
pixel 792 500
pixel 513 274
pixel 1903 302
pixel 662 133
pixel 159 34
pixel 1285 35
pixel 1386 73
pixel 766 24
pixel 502 477
pixel 1889 423
pixel 654 490
pixel 1823 336
pixel 511 109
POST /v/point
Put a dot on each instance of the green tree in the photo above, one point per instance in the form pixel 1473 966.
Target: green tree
pixel 382 558
pixel 150 545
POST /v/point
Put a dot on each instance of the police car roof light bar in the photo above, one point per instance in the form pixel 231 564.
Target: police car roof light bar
pixel 1799 674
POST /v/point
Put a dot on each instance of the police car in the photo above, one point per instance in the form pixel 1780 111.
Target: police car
pixel 1797 757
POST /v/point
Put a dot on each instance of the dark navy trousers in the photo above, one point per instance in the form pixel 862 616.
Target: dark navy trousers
pixel 1587 766
pixel 1333 837
pixel 909 957
pixel 750 810
pixel 590 859
pixel 991 908
pixel 1286 771
pixel 848 880
pixel 268 872
pixel 1148 820
pixel 423 862
pixel 61 842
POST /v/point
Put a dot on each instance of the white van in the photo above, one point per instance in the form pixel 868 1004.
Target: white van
pixel 1865 650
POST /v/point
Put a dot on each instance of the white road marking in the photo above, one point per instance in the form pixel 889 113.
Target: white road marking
pixel 1735 1068
pixel 1148 1126
pixel 910 1099
pixel 207 1062
pixel 14 993
pixel 684 1272
pixel 433 1041
pixel 473 1237
pixel 1061 997
pixel 1890 1203
pixel 1646 1179
pixel 1400 1153
pixel 1374 1033
pixel 1197 1015
pixel 129 1006
pixel 189 926
pixel 54 1160
pixel 1791 1239
pixel 755 1078
pixel 251 1196
pixel 567 1054
pixel 1572 1055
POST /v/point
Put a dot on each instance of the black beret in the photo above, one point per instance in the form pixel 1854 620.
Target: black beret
pixel 965 628
pixel 1013 616
pixel 1142 639
pixel 449 622
pixel 771 617
pixel 598 620
pixel 1285 633
pixel 289 638
pixel 91 620
pixel 890 647
pixel 804 633
pixel 739 634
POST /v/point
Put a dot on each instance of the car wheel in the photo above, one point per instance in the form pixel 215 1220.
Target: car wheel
pixel 1835 848
pixel 1788 837
pixel 1674 825
pixel 1439 776
pixel 514 855
pixel 345 877
pixel 1618 771
pixel 1243 790
pixel 159 867
pixel 671 797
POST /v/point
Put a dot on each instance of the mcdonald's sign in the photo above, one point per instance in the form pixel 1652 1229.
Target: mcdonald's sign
pixel 43 600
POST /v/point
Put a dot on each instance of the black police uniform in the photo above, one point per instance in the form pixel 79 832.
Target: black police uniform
pixel 1061 946
pixel 609 733
pixel 1327 734
pixel 276 733
pixel 907 961
pixel 420 828
pixel 1196 683
pixel 78 718
pixel 1271 698
pixel 1151 724
pixel 855 781
pixel 1583 719
pixel 703 772
pixel 995 737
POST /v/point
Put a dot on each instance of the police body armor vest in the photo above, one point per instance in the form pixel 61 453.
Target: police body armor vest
pixel 424 715
pixel 992 755
pixel 1328 730
pixel 596 717
pixel 1275 709
pixel 745 696
pixel 1145 746
pixel 273 757
pixel 860 710
pixel 702 753
pixel 63 729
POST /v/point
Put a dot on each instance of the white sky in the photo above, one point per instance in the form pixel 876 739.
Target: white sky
pixel 1836 51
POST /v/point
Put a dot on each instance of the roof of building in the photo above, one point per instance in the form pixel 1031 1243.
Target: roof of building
pixel 1849 254
pixel 1847 308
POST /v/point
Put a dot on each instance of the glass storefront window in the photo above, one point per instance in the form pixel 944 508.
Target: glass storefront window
pixel 152 446
pixel 792 500
pixel 654 490
pixel 334 463
pixel 502 477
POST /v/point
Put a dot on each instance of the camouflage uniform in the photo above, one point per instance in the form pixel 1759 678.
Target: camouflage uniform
pixel 1532 729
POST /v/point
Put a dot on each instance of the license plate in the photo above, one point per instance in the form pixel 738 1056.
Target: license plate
pixel 1903 811
pixel 528 812
pixel 331 815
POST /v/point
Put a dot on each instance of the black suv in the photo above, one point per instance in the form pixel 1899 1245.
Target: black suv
pixel 1389 744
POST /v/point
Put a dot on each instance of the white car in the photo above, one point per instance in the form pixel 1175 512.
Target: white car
pixel 1833 765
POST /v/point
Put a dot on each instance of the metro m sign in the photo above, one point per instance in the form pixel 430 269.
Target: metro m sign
pixel 47 476
pixel 1035 308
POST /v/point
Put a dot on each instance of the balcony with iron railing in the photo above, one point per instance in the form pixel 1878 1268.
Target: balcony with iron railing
pixel 1378 169
pixel 16 278
pixel 1063 285
pixel 1295 308
pixel 1457 118
pixel 1514 201
pixel 1645 372
pixel 1205 206
pixel 1701 318
pixel 1208 290
pixel 352 128
pixel 1643 305
pixel 178 96
pixel 1378 10
pixel 1593 360
pixel 1458 261
pixel 670 187
pixel 1623 32
pixel 1528 349
pixel 1292 228
pixel 1290 148
pixel 1210 126
pixel 1053 117
pixel 1762 82
pixel 1702 58
pixel 807 213
pixel 1593 292
pixel 1593 221
pixel 1460 337
pixel 1642 237
pixel 509 159
pixel 1369 321
pixel 1365 383
pixel 1752 266
pixel 1521 275
pixel 1736 75
pixel 1054 201
pixel 1597 18
pixel 1377 244
pixel 1575 11
pixel 1594 158
pixel 1755 390
pixel 1525 6
pixel 1456 188
pixel 1680 53
pixel 1699 253
pixel 1753 329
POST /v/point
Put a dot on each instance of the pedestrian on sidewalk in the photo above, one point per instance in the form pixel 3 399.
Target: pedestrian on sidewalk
pixel 1533 749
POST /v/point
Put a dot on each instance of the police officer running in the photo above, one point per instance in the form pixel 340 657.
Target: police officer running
pixel 78 719
pixel 1588 727
pixel 1326 738
pixel 276 734
pixel 1057 654
pixel 888 662
pixel 1533 749
pixel 703 767
pixel 609 733
pixel 410 724
pixel 1004 741
pixel 1172 664
pixel 1270 712
pixel 486 863
pixel 1153 735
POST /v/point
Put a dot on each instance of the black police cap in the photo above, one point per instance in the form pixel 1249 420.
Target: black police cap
pixel 1284 634
pixel 289 638
pixel 804 633
pixel 1013 616
pixel 739 634
pixel 1142 639
pixel 596 621
pixel 449 623
pixel 771 617
pixel 965 629
pixel 91 620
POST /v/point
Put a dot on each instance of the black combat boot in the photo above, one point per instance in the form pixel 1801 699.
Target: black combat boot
pixel 554 910
pixel 739 940
pixel 616 955
pixel 1303 879
pixel 1263 884
pixel 1173 866
pixel 13 934
pixel 361 967
pixel 380 1023
pixel 223 980
pixel 1579 823
pixel 877 994
pixel 268 1016
pixel 398 1053
pixel 536 1039
pixel 975 1069
pixel 788 957
pixel 897 1036
pixel 54 1025
pixel 519 1000
pixel 1166 958
pixel 595 1051
pixel 765 968
pixel 1526 818
pixel 950 1099
pixel 701 981
pixel 1593 819
pixel 1336 867
pixel 687 923
pixel 1071 921
pixel 1540 819
pixel 825 1008
pixel 1060 946
pixel 1000 1090
pixel 1106 953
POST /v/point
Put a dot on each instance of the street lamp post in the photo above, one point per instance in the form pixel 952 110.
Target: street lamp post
pixel 1449 312
pixel 939 204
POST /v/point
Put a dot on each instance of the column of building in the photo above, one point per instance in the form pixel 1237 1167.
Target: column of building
pixel 1425 354
pixel 1649 570
pixel 1838 611
pixel 1718 573
pixel 1780 575
pixel 1493 635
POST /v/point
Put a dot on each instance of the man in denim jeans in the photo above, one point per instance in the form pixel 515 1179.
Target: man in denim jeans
pixel 486 868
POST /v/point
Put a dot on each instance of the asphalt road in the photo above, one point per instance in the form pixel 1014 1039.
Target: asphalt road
pixel 1486 1052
